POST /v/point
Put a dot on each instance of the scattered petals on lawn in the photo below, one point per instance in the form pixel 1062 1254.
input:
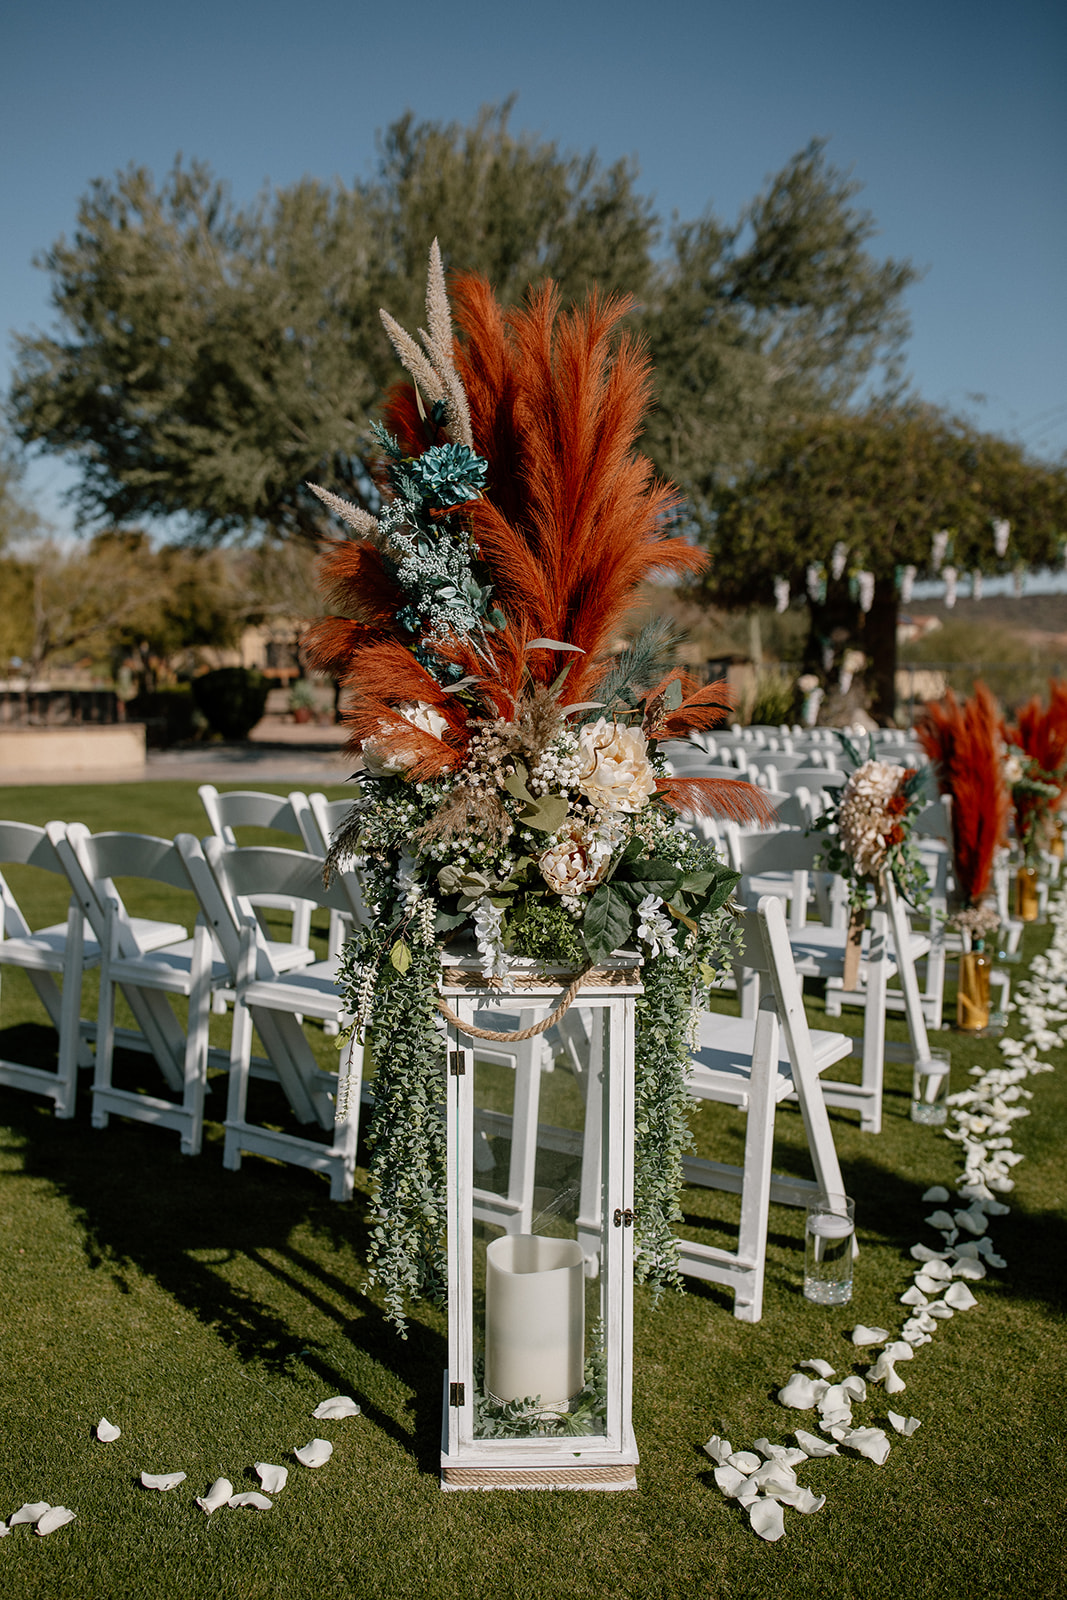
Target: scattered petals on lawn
pixel 745 1461
pixel 767 1519
pixel 162 1480
pixel 959 1297
pixel 823 1369
pixel 218 1495
pixel 935 1195
pixel 251 1500
pixel 862 1335
pixel 342 1405
pixel 273 1479
pixel 31 1512
pixel 802 1393
pixel 55 1517
pixel 870 1442
pixel 315 1454
pixel 107 1432
pixel 812 1445
pixel 719 1450
pixel 904 1425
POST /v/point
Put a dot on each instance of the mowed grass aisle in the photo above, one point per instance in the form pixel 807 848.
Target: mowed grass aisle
pixel 207 1313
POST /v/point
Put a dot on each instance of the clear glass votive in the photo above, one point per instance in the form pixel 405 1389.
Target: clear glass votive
pixel 929 1087
pixel 829 1233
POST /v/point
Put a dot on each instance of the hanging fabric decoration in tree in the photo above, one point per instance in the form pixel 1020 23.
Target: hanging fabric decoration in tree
pixel 512 789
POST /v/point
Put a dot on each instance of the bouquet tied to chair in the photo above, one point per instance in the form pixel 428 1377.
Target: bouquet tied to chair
pixel 512 793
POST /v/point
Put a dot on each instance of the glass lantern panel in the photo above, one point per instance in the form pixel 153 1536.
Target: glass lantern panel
pixel 539 1370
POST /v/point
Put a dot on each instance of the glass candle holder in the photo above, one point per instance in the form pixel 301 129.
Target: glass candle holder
pixel 829 1235
pixel 1026 903
pixel 929 1088
pixel 972 993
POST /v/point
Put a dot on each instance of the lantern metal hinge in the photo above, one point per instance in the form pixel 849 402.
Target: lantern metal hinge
pixel 457 1394
pixel 455 1063
pixel 624 1219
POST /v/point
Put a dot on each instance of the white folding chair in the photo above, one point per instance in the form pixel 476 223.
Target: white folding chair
pixel 63 949
pixel 319 821
pixel 754 1063
pixel 253 808
pixel 819 952
pixel 148 976
pixel 275 1002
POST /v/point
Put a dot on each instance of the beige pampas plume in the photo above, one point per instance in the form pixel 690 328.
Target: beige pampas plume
pixel 365 526
pixel 435 373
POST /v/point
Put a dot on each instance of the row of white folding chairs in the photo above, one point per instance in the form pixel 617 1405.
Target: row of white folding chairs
pixel 274 984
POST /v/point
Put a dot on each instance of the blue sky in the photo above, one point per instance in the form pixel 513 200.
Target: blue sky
pixel 952 113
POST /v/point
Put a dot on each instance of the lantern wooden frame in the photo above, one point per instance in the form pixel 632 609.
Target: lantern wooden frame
pixel 604 1461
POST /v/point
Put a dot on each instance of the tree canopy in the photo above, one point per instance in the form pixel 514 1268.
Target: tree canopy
pixel 842 494
pixel 209 358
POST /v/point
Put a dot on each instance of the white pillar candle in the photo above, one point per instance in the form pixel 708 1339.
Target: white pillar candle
pixel 534 1318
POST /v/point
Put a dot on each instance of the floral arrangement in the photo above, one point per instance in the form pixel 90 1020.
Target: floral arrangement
pixel 869 828
pixel 1036 769
pixel 964 744
pixel 511 786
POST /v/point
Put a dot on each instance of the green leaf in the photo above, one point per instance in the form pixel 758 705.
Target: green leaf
pixel 516 783
pixel 546 814
pixel 672 697
pixel 607 923
pixel 400 956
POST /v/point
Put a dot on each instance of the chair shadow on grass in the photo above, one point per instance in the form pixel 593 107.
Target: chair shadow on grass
pixel 144 1206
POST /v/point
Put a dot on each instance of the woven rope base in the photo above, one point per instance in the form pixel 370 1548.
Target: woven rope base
pixel 538 1477
pixel 453 978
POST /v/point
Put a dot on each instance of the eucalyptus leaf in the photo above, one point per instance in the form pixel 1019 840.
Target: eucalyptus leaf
pixel 515 784
pixel 672 697
pixel 400 956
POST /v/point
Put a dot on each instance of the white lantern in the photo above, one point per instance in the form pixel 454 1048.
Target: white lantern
pixel 540 1236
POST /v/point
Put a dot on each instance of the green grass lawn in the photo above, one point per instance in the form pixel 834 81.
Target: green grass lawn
pixel 208 1312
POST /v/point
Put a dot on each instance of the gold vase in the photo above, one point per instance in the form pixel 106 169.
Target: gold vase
pixel 1026 894
pixel 972 995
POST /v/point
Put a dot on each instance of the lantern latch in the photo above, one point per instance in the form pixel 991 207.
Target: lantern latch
pixel 457 1394
pixel 455 1063
pixel 624 1219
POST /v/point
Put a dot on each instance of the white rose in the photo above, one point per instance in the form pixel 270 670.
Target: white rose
pixel 577 861
pixel 616 774
pixel 388 754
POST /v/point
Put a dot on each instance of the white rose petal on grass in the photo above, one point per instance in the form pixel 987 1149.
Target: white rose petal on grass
pixel 730 1481
pixel 162 1480
pixel 314 1454
pixel 971 1221
pixel 940 1219
pixel 774 1477
pixel 922 1252
pixel 106 1431
pixel 251 1500
pixel 4 1529
pixel 975 1271
pixel 55 1517
pixel 812 1445
pixel 767 1519
pixel 940 1271
pixel 719 1450
pixel 745 1461
pixel 779 1452
pixel 802 1500
pixel 935 1195
pixel 342 1405
pixel 822 1368
pixel 904 1425
pixel 862 1335
pixel 959 1297
pixel 31 1512
pixel 941 1311
pixel 870 1442
pixel 802 1393
pixel 272 1478
pixel 926 1284
pixel 218 1495
pixel 914 1297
